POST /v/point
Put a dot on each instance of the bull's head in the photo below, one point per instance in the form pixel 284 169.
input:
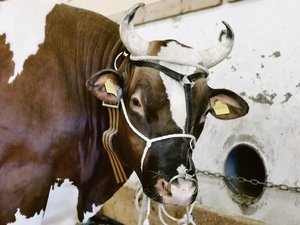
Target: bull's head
pixel 165 101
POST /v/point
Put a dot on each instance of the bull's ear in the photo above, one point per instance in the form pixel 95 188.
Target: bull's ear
pixel 106 86
pixel 226 105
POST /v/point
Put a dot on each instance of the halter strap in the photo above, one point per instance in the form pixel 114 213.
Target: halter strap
pixel 171 73
pixel 107 139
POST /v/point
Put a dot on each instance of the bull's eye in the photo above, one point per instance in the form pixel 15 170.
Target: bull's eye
pixel 135 102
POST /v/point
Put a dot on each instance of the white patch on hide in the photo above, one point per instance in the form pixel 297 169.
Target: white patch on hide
pixel 176 96
pixel 88 215
pixel 24 22
pixel 174 88
pixel 62 204
pixel 22 220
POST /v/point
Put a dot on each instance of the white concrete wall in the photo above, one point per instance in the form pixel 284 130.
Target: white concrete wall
pixel 271 85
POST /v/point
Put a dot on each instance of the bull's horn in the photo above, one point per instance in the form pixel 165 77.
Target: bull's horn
pixel 212 56
pixel 132 41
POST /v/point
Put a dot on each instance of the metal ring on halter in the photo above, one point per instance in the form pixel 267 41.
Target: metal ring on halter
pixel 116 60
pixel 187 177
pixel 193 143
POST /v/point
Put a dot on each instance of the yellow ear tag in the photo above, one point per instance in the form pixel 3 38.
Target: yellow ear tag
pixel 220 108
pixel 110 87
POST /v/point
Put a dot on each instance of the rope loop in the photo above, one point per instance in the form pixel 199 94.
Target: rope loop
pixel 185 220
pixel 143 208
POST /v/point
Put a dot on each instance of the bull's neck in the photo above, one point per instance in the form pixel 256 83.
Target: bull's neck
pixel 84 44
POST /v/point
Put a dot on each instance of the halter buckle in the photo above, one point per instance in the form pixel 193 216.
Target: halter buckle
pixel 111 105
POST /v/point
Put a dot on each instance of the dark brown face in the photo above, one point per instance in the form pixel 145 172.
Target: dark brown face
pixel 149 110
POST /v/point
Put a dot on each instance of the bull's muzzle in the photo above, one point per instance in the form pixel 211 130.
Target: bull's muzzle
pixel 180 190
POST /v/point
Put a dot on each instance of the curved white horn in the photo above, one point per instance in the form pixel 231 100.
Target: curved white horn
pixel 132 41
pixel 214 55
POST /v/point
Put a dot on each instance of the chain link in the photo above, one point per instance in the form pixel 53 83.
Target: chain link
pixel 240 197
pixel 267 184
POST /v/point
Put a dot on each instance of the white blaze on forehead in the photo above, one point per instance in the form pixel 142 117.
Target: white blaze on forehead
pixel 174 88
pixel 62 204
pixel 176 96
pixel 21 219
pixel 23 22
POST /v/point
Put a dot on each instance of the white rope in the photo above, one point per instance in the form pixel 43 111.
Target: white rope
pixel 116 60
pixel 143 208
pixel 130 124
pixel 159 58
pixel 150 141
pixel 168 60
pixel 185 220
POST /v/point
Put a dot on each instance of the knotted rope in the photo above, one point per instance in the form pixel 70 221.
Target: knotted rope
pixel 144 209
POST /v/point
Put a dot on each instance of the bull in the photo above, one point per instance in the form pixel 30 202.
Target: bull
pixel 84 102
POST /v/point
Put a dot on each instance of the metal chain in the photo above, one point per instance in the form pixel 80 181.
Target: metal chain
pixel 238 196
pixel 267 184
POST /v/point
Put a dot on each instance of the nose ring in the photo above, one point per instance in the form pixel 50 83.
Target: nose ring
pixel 186 176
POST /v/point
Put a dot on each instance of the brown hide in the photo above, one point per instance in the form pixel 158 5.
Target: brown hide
pixel 50 125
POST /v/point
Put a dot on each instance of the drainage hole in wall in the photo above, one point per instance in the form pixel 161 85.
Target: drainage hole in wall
pixel 245 161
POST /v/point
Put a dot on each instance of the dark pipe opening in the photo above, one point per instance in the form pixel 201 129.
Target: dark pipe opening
pixel 245 161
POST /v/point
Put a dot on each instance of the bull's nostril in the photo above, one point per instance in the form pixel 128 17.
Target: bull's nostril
pixel 162 188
